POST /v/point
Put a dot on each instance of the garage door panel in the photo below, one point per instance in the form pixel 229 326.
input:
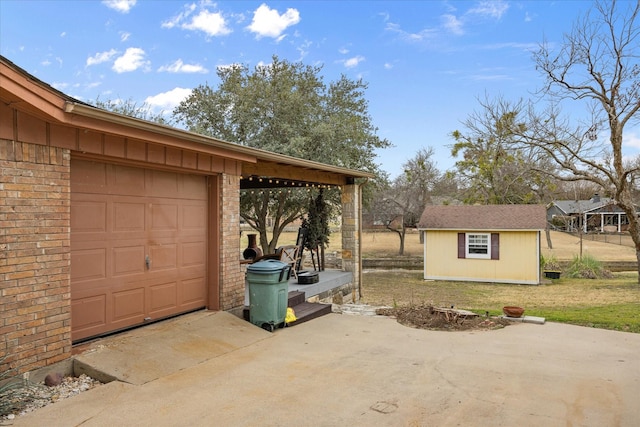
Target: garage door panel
pixel 163 297
pixel 163 184
pixel 164 217
pixel 124 216
pixel 193 292
pixel 164 257
pixel 89 177
pixel 126 180
pixel 91 216
pixel 128 260
pixel 193 254
pixel 88 264
pixel 192 188
pixel 194 217
pixel 128 216
pixel 90 312
pixel 128 305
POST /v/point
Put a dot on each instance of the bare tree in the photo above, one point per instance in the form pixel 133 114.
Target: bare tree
pixel 597 65
pixel 400 204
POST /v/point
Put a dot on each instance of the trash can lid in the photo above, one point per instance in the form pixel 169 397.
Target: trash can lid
pixel 267 266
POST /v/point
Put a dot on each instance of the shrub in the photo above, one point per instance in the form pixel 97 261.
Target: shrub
pixel 587 267
pixel 550 263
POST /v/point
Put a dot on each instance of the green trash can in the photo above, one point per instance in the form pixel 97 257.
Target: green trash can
pixel 268 293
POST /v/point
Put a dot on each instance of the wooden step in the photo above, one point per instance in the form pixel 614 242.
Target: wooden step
pixel 308 311
pixel 295 298
pixel 304 310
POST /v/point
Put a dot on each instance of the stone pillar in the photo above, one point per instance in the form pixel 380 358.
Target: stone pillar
pixel 351 235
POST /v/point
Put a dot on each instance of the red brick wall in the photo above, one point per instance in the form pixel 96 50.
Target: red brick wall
pixel 35 311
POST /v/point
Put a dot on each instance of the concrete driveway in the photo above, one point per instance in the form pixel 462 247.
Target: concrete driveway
pixel 342 370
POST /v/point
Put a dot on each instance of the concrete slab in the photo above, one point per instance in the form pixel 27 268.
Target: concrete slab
pixel 160 349
pixel 372 371
pixel 527 319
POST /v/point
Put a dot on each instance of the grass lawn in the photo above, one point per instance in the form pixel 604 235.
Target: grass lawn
pixel 607 303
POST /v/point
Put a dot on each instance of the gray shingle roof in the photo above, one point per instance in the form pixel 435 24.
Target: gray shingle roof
pixel 581 206
pixel 485 217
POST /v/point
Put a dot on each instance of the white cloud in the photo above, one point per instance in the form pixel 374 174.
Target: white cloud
pixel 124 36
pixel 269 23
pixel 303 49
pixel 631 140
pixel 180 67
pixel 210 23
pixel 388 66
pixel 167 101
pixel 132 59
pixel 122 6
pixel 353 62
pixel 424 35
pixel 213 24
pixel 101 57
pixel 492 9
pixel 453 24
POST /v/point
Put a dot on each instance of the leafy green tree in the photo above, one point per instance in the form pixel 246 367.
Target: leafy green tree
pixel 491 169
pixel 131 108
pixel 286 108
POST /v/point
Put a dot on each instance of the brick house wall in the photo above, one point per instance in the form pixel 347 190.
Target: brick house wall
pixel 35 310
pixel 41 129
pixel 232 294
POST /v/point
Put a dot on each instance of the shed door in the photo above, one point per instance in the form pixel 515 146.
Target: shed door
pixel 138 246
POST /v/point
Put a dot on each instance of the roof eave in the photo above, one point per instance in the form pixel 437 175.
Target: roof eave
pixel 250 154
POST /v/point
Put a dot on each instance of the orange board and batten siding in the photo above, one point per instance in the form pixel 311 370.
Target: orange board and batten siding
pixel 518 262
pixel 138 245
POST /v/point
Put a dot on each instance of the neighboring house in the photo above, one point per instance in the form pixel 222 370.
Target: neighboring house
pixel 109 221
pixel 493 243
pixel 599 214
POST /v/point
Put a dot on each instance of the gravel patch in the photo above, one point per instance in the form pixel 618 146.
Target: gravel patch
pixel 27 397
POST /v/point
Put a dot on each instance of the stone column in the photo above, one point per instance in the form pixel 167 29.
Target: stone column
pixel 351 235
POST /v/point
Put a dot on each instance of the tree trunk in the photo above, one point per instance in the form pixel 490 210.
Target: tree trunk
pixel 401 235
pixel 547 232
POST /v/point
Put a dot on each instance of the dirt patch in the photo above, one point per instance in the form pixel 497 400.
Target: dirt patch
pixel 434 318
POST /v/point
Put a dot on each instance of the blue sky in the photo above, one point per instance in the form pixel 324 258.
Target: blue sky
pixel 426 62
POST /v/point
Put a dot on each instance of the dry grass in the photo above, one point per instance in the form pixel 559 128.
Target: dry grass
pixel 565 246
pixel 608 303
pixel 604 303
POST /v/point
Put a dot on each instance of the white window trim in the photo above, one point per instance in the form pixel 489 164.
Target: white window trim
pixel 474 255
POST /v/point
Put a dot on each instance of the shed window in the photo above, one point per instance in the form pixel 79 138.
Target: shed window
pixel 479 245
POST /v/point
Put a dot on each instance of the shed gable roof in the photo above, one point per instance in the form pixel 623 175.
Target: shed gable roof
pixel 485 217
